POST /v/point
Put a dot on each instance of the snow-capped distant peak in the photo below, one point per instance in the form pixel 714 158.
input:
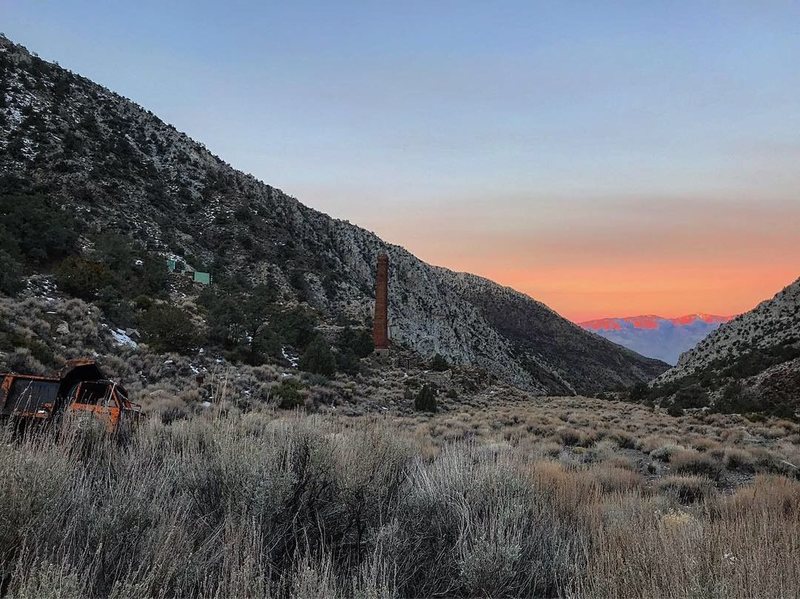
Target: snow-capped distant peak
pixel 657 336
pixel 650 321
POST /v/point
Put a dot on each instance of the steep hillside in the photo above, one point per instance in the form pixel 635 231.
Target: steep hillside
pixel 655 336
pixel 116 166
pixel 753 361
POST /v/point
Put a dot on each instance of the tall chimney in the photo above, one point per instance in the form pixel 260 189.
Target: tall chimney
pixel 380 325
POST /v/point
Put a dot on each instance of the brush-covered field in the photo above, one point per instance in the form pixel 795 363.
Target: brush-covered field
pixel 555 497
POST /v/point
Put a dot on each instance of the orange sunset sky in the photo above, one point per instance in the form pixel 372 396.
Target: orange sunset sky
pixel 618 258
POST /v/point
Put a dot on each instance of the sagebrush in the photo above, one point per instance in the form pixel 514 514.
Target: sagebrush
pixel 276 505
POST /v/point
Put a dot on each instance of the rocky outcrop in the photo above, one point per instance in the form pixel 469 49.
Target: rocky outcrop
pixel 750 364
pixel 773 324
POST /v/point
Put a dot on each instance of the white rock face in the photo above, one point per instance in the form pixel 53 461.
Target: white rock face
pixel 122 338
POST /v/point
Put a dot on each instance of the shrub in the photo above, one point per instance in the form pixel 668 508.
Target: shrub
pixel 168 328
pixel 504 539
pixel 318 358
pixel 625 440
pixel 613 479
pixel 265 344
pixel 439 363
pixel 298 281
pixel 766 461
pixel 37 228
pixel 254 505
pixel 740 460
pixel 705 445
pixel 687 489
pixel 347 361
pixel 295 326
pixel 237 313
pixel 688 462
pixel 674 410
pixel 573 437
pixel 639 392
pixel 82 278
pixel 289 394
pixel 143 302
pixel 736 399
pixel 226 318
pixel 426 400
pixel 115 307
pixel 357 342
pixel 665 452
pixel 692 396
pixel 10 274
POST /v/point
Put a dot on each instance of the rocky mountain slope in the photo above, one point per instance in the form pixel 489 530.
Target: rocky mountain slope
pixel 655 336
pixel 116 166
pixel 773 323
pixel 751 361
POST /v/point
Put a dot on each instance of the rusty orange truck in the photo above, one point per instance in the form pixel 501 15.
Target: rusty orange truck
pixel 79 389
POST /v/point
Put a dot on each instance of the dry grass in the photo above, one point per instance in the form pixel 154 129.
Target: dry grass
pixel 693 462
pixel 743 545
pixel 687 489
pixel 466 504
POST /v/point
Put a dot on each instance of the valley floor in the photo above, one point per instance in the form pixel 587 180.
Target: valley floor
pixel 493 496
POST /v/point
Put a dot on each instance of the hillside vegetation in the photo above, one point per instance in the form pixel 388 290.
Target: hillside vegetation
pixel 107 165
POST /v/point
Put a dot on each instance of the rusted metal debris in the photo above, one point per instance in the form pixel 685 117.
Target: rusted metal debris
pixel 79 388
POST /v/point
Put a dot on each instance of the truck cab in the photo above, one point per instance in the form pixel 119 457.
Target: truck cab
pixel 104 400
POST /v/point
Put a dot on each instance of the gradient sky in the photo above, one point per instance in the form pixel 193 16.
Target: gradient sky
pixel 608 158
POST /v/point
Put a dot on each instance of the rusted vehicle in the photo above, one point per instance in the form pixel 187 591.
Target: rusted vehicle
pixel 79 389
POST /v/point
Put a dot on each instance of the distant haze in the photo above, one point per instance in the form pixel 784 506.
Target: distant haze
pixel 655 336
pixel 605 158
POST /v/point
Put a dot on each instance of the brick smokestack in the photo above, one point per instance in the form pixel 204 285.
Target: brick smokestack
pixel 380 326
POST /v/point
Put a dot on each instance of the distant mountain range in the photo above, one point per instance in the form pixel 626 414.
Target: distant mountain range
pixel 655 336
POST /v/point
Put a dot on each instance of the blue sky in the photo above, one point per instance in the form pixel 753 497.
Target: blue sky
pixel 566 148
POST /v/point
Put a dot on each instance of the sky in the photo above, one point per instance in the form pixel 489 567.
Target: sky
pixel 607 158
